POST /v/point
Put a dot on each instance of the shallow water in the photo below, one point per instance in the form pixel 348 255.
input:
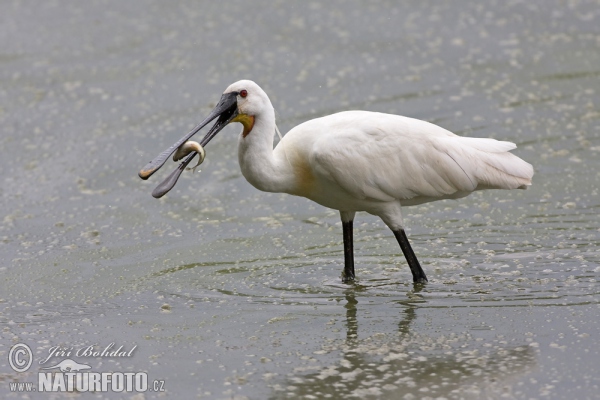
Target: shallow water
pixel 230 292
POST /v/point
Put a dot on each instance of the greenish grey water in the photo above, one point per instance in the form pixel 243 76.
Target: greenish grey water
pixel 230 292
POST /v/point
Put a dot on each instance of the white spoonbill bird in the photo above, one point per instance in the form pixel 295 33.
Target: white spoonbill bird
pixel 354 161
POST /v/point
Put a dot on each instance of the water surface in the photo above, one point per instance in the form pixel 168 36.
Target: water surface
pixel 230 292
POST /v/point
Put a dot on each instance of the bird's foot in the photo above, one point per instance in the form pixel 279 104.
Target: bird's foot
pixel 420 280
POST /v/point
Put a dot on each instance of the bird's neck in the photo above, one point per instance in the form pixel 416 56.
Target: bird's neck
pixel 257 161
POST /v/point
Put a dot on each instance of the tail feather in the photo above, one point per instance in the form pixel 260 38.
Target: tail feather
pixel 489 164
pixel 488 145
pixel 504 171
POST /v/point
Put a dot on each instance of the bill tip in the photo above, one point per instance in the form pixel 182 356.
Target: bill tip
pixel 145 173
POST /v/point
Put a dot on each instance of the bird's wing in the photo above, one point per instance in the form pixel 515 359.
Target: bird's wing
pixel 385 157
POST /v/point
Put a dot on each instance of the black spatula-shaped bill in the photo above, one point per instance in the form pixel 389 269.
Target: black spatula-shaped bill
pixel 165 186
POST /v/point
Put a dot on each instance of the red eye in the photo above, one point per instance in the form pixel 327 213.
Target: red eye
pixel 243 93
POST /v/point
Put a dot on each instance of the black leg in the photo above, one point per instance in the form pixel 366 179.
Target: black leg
pixel 348 275
pixel 409 254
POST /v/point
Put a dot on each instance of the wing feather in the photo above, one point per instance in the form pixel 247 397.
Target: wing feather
pixel 385 157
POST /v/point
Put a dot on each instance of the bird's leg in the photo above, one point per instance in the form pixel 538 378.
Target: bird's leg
pixel 348 275
pixel 411 258
pixel 347 220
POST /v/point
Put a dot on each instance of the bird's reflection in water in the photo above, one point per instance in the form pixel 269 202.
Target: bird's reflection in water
pixel 391 365
pixel 351 322
pixel 409 314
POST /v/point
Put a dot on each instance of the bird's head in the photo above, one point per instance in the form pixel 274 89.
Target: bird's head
pixel 251 101
pixel 241 102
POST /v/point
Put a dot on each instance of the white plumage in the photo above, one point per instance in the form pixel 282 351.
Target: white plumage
pixel 367 161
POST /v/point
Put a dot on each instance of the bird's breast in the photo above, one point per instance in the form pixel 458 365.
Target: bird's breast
pixel 304 177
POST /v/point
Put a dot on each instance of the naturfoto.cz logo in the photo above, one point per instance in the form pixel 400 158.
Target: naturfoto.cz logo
pixel 68 375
